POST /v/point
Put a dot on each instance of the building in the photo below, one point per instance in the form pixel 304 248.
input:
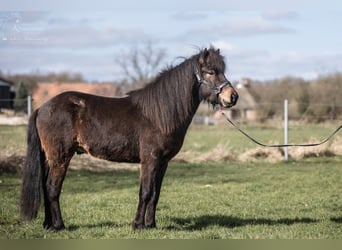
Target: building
pixel 245 109
pixel 45 91
pixel 6 94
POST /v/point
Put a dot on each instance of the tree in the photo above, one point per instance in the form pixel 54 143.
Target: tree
pixel 273 93
pixel 140 64
pixel 303 98
pixel 20 101
pixel 326 95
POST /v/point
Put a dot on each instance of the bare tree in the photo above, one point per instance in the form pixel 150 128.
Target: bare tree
pixel 141 64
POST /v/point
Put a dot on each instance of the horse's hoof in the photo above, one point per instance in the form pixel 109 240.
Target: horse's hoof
pixel 59 228
pixel 138 226
pixel 54 228
pixel 151 226
pixel 47 225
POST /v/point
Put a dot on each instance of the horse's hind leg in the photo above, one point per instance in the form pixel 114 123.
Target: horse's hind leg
pixel 52 189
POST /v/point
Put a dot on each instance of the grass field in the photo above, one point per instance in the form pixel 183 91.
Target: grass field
pixel 296 199
pixel 254 200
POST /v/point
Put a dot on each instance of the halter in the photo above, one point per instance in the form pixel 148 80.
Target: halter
pixel 217 89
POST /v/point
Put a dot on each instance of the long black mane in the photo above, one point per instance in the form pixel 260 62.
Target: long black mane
pixel 173 97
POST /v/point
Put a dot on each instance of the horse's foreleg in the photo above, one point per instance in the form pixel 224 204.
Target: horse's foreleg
pixel 147 176
pixel 53 186
pixel 150 221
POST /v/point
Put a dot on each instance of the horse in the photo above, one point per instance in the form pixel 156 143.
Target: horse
pixel 146 126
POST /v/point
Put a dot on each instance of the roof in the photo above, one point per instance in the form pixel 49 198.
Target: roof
pixel 4 83
pixel 246 98
pixel 45 91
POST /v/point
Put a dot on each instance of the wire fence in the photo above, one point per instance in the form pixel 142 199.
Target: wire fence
pixel 261 112
pixel 279 116
pixel 317 112
pixel 17 106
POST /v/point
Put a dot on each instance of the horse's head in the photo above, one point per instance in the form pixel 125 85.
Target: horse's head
pixel 214 86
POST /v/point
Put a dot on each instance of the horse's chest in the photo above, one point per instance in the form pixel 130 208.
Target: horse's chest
pixel 160 145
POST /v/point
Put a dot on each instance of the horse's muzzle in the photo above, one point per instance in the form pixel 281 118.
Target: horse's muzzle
pixel 228 97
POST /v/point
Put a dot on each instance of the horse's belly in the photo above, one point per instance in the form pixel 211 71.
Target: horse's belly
pixel 117 153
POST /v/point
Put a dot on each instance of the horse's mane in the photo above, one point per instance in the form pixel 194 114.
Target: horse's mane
pixel 172 98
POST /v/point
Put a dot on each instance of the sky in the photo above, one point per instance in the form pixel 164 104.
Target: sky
pixel 261 40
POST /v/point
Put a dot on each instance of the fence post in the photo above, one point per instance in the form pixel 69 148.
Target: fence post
pixel 286 129
pixel 29 106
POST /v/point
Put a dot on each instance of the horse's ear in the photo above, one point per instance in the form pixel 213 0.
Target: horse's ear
pixel 203 56
pixel 218 51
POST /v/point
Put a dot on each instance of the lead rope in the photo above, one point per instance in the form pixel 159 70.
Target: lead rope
pixel 280 145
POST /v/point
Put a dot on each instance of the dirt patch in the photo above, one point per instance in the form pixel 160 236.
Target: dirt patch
pixel 306 152
pixel 336 146
pixel 91 163
pixel 14 164
pixel 11 163
pixel 13 120
pixel 218 154
pixel 271 155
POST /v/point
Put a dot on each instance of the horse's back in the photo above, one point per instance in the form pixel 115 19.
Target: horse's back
pixel 73 102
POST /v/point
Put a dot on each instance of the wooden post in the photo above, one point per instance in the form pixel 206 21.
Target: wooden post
pixel 286 129
pixel 29 106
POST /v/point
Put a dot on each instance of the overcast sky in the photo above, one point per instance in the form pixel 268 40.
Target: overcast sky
pixel 303 40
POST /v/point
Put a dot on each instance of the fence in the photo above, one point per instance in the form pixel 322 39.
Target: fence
pixel 261 112
pixel 285 116
pixel 282 118
pixel 313 112
pixel 28 101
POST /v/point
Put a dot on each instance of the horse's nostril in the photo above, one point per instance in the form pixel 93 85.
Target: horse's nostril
pixel 234 97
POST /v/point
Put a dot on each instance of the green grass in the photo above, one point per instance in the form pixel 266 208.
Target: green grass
pixel 198 201
pixel 12 137
pixel 296 199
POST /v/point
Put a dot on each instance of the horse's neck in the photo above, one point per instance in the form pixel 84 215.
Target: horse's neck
pixel 170 102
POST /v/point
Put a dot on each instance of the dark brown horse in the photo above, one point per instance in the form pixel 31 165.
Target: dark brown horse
pixel 147 126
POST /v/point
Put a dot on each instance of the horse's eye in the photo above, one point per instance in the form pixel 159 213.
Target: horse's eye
pixel 211 72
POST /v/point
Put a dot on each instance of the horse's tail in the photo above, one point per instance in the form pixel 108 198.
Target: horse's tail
pixel 33 169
